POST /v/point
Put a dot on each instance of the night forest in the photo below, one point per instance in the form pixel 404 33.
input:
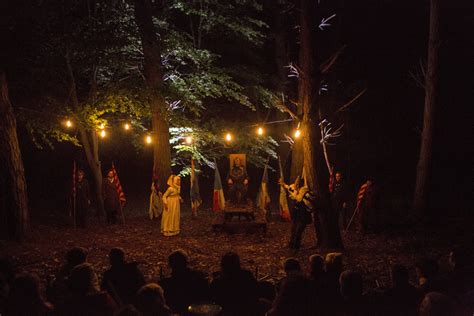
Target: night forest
pixel 371 95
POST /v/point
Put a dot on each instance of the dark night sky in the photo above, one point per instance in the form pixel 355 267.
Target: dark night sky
pixel 386 40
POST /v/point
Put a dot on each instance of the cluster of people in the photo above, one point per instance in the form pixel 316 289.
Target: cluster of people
pixel 305 206
pixel 165 206
pixel 81 199
pixel 326 290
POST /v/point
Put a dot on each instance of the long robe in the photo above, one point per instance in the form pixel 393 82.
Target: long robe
pixel 156 203
pixel 172 212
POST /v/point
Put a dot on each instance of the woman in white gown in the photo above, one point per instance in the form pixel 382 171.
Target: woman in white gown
pixel 171 213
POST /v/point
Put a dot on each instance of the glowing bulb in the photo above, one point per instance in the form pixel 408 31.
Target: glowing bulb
pixel 148 139
pixel 189 140
pixel 68 123
pixel 126 126
pixel 260 131
pixel 297 133
pixel 102 133
pixel 228 137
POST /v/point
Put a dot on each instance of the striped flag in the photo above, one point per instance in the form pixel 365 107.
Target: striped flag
pixel 263 198
pixel 283 202
pixel 361 193
pixel 118 186
pixel 194 191
pixel 218 201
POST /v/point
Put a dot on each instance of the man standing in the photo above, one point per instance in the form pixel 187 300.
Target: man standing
pixel 301 212
pixel 82 199
pixel 339 198
pixel 111 198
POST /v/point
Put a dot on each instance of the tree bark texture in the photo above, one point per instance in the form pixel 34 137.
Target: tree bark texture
pixel 154 79
pixel 431 83
pixel 13 194
pixel 88 138
pixel 328 234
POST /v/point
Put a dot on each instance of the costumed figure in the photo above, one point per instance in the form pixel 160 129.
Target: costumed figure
pixel 366 206
pixel 171 212
pixel 301 211
pixel 339 197
pixel 238 181
pixel 111 198
pixel 156 200
pixel 82 199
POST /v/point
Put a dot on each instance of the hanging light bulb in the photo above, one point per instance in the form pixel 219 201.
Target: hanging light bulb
pixel 68 123
pixel 126 126
pixel 189 140
pixel 228 137
pixel 260 131
pixel 297 133
pixel 103 134
pixel 148 139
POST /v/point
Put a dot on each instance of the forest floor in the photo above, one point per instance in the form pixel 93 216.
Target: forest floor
pixel 44 249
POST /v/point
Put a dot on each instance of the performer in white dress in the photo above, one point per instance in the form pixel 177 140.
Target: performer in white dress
pixel 171 213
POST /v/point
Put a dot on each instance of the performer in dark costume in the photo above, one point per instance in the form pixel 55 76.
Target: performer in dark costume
pixel 238 181
pixel 83 200
pixel 300 213
pixel 339 197
pixel 111 198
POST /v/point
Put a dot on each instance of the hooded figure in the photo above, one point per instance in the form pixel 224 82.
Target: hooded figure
pixel 171 212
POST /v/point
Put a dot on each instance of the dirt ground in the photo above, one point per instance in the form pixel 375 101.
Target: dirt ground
pixel 44 249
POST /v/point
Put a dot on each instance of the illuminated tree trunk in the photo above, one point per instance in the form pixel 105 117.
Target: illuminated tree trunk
pixel 431 83
pixel 88 138
pixel 327 228
pixel 154 78
pixel 13 195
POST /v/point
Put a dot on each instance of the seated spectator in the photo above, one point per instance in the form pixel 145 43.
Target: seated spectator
pixel 427 273
pixel 25 298
pixel 292 267
pixel 85 297
pixel 123 279
pixel 151 301
pixel 317 279
pixel 461 276
pixel 294 297
pixel 351 287
pixel 402 298
pixel 333 269
pixel 7 276
pixel 185 286
pixel 128 310
pixel 234 288
pixel 436 304
pixel 58 290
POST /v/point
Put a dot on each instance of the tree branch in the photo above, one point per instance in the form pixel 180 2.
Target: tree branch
pixel 345 106
pixel 326 66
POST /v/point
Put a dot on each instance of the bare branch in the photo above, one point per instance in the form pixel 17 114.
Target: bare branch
pixel 326 66
pixel 345 106
pixel 280 104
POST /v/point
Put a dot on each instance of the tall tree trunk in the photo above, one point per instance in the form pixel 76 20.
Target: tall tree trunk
pixel 13 195
pixel 154 78
pixel 328 233
pixel 431 83
pixel 88 138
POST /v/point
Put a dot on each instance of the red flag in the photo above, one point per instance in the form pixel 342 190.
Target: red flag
pixel 218 201
pixel 118 186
